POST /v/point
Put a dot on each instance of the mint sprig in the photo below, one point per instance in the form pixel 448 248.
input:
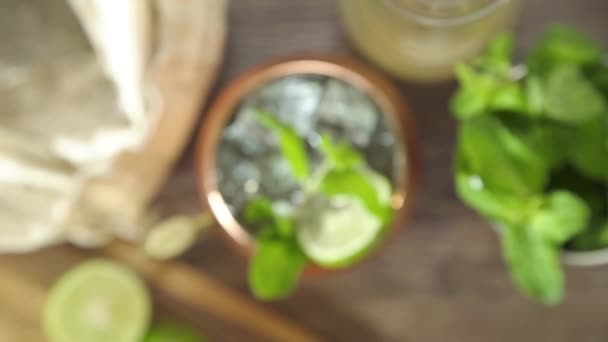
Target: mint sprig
pixel 518 135
pixel 278 260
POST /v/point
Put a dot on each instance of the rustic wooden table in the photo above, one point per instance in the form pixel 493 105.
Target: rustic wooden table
pixel 441 280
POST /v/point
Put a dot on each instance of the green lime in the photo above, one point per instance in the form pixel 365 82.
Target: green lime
pixel 170 238
pixel 97 301
pixel 175 235
pixel 340 235
pixel 173 332
pixel 383 187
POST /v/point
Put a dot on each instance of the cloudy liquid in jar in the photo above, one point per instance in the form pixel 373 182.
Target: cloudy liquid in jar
pixel 422 40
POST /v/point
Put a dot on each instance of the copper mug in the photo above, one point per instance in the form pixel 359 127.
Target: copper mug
pixel 378 87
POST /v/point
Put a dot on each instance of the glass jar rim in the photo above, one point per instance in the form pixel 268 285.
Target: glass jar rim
pixel 438 21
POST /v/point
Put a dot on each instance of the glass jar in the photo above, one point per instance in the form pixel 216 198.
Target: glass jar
pixel 422 40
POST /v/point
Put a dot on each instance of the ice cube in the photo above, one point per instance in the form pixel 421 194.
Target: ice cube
pixel 251 138
pixel 294 101
pixel 347 112
pixel 278 180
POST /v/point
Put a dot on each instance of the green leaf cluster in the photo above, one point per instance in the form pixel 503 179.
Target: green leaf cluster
pixel 278 260
pixel 532 152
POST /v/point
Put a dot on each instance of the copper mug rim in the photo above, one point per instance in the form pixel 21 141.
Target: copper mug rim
pixel 382 91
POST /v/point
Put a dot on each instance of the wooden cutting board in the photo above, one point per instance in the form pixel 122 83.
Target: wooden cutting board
pixel 180 293
pixel 190 37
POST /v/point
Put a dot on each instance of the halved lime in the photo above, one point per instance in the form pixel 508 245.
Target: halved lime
pixel 343 232
pixel 98 301
pixel 173 332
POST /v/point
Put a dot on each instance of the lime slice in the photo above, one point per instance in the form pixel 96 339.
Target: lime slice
pixel 340 235
pixel 344 233
pixel 173 332
pixel 383 187
pixel 174 236
pixel 98 301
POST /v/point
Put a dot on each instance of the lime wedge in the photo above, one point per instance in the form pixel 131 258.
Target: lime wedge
pixel 98 301
pixel 173 332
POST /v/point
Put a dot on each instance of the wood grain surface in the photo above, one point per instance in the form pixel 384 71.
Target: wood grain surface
pixel 180 292
pixel 443 279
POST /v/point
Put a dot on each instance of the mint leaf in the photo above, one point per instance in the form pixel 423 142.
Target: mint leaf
pixel 534 264
pixel 595 194
pixel 291 145
pixel 475 92
pixel 340 156
pixel 563 46
pixel 497 55
pixel 355 183
pixel 535 97
pixel 489 149
pixel 468 103
pixel 275 267
pixel 561 216
pixel 594 237
pixel 540 135
pixel 508 96
pixel 481 93
pixel 570 98
pixel 494 205
pixel 260 211
pixel 517 134
pixel 532 250
pixel 598 74
pixel 588 151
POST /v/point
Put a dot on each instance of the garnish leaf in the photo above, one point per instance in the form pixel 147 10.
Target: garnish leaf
pixel 260 211
pixel 356 183
pixel 275 267
pixel 291 145
pixel 341 156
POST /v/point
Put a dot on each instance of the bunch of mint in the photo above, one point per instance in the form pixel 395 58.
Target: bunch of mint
pixel 532 152
pixel 282 248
